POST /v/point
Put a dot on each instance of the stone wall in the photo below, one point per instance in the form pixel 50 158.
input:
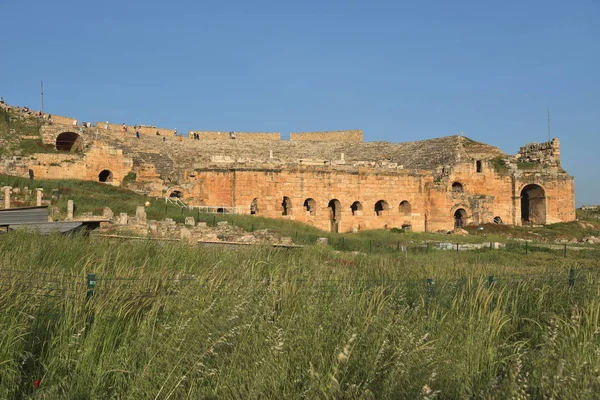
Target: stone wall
pixel 546 152
pixel 143 129
pixel 208 135
pixel 355 136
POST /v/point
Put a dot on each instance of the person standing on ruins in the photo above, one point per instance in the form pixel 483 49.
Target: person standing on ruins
pixel 124 127
pixel 137 134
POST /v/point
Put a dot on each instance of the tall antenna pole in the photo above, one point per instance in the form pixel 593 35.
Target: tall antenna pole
pixel 42 87
pixel 549 138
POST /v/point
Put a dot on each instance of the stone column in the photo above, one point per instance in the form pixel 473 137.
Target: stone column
pixel 39 192
pixel 7 191
pixel 140 214
pixel 70 209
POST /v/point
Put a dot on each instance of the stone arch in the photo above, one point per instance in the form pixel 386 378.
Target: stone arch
pixel 460 218
pixel 105 176
pixel 310 205
pixel 69 141
pixel 335 214
pixel 457 187
pixel 533 204
pixel 31 174
pixel 356 208
pixel 405 208
pixel 176 194
pixel 498 220
pixel 286 205
pixel 254 206
pixel 381 208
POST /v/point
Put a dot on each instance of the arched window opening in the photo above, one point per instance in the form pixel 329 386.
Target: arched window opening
pixel 69 141
pixel 105 176
pixel 176 194
pixel 357 208
pixel 460 218
pixel 533 205
pixel 310 205
pixel 335 214
pixel 381 208
pixel 497 220
pixel 478 166
pixel 220 210
pixel 31 174
pixel 457 187
pixel 254 206
pixel 405 207
pixel 286 205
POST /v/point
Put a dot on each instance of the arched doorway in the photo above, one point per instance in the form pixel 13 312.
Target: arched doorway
pixel 533 205
pixel 381 208
pixel 356 208
pixel 31 174
pixel 404 208
pixel 335 214
pixel 105 176
pixel 460 218
pixel 176 194
pixel 254 206
pixel 286 205
pixel 69 141
pixel 310 205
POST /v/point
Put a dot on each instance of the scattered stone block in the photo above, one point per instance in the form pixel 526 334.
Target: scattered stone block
pixel 107 213
pixel 189 221
pixel 202 224
pixel 123 219
pixel 140 214
pixel 222 223
pixel 322 241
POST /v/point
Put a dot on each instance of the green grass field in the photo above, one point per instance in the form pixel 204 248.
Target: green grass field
pixel 167 321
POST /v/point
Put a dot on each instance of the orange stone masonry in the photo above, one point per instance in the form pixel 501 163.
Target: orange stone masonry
pixel 331 180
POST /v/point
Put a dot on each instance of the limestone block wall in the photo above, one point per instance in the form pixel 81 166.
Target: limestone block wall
pixel 143 129
pixel 58 119
pixel 355 136
pixel 269 187
pixel 541 152
pixel 86 166
pixel 208 135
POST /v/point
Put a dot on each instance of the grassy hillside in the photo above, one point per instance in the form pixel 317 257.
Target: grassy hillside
pixel 178 322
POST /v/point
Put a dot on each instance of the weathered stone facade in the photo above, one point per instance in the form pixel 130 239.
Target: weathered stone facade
pixel 331 180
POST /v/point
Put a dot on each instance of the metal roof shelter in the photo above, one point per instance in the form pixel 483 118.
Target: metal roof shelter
pixel 23 215
pixel 35 219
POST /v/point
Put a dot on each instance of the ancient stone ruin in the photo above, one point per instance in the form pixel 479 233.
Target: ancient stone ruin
pixel 331 180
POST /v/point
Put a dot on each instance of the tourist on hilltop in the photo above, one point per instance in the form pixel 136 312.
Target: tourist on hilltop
pixel 137 134
pixel 175 132
pixel 157 133
pixel 106 125
pixel 75 122
pixel 124 127
pixel 1 100
pixel 164 139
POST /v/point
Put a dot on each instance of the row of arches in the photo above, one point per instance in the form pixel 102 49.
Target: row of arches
pixel 309 205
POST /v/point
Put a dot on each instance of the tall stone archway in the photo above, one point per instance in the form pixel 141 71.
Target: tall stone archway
pixel 335 214
pixel 460 218
pixel 533 205
pixel 105 176
pixel 69 141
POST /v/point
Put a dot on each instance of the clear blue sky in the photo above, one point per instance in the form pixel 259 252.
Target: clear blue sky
pixel 401 71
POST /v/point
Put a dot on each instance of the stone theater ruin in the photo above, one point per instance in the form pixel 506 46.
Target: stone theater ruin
pixel 331 180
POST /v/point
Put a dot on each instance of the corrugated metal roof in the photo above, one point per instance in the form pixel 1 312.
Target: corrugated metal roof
pixel 48 227
pixel 24 215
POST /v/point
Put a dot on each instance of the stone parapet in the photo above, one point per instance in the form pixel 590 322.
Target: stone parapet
pixel 355 136
pixel 208 135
